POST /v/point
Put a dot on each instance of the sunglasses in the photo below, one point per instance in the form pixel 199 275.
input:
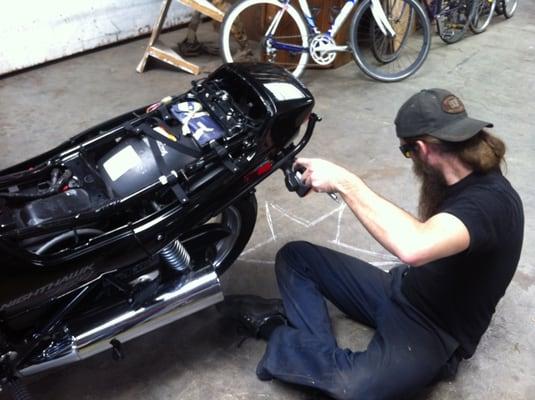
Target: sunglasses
pixel 407 149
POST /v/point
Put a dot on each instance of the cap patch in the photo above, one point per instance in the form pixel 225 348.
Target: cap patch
pixel 452 105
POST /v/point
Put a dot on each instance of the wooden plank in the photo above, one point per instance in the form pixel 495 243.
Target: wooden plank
pixel 160 51
pixel 206 8
pixel 169 56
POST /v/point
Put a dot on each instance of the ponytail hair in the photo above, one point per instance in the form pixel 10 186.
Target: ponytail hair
pixel 483 152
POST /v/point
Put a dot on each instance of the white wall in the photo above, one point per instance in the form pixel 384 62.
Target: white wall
pixel 35 31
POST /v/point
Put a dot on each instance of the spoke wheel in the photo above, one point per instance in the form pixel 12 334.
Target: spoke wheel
pixel 243 35
pixel 484 9
pixel 386 49
pixel 454 19
pixel 509 7
pixel 390 58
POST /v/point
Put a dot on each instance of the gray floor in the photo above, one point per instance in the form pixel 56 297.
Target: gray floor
pixel 199 357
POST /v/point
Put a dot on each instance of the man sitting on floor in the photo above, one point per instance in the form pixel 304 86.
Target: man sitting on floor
pixel 429 313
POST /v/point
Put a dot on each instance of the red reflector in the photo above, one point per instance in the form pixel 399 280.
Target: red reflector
pixel 261 170
pixel 264 168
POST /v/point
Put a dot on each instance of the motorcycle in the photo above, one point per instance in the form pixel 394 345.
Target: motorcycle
pixel 127 226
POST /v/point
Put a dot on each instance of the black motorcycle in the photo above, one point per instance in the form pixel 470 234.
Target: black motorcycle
pixel 126 227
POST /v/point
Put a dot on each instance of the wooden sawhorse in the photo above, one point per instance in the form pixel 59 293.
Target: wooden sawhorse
pixel 160 51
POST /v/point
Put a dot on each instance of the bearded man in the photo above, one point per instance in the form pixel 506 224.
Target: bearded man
pixel 429 313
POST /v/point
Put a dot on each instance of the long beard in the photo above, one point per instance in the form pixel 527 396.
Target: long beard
pixel 432 190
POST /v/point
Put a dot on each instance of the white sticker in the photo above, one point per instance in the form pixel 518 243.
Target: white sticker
pixel 189 106
pixel 284 91
pixel 121 162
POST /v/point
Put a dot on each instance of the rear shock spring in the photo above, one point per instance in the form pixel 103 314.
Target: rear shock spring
pixel 176 256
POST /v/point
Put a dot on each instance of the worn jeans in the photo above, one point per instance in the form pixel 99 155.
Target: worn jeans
pixel 407 352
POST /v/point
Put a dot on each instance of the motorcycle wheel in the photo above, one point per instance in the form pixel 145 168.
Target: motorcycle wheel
pixel 239 220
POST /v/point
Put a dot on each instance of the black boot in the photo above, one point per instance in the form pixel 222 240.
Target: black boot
pixel 258 316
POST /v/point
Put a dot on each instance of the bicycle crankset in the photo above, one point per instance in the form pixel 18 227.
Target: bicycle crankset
pixel 322 49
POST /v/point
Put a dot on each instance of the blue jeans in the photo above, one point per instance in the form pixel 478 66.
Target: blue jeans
pixel 407 352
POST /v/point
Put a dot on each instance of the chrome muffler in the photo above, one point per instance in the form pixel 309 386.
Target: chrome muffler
pixel 192 292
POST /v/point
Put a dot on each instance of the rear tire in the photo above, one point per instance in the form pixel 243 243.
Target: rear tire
pixel 454 20
pixel 238 219
pixel 509 7
pixel 390 59
pixel 483 12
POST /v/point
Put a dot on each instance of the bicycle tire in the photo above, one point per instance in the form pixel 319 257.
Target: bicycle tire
pixel 413 40
pixel 292 28
pixel 509 7
pixel 499 7
pixel 455 16
pixel 383 50
pixel 484 10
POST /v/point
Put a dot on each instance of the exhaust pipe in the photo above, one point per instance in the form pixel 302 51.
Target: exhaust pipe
pixel 190 293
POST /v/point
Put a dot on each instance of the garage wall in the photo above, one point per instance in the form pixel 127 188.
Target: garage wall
pixel 35 31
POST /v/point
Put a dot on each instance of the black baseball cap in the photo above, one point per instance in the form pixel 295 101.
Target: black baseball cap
pixel 438 113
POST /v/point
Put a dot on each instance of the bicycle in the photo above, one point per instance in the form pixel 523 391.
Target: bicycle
pixel 484 10
pixel 389 39
pixel 452 17
pixel 506 7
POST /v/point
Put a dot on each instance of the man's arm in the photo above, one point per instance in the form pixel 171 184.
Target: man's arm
pixel 412 241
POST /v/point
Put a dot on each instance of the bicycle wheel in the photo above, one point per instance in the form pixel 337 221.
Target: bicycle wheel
pixel 386 58
pixel 384 48
pixel 484 9
pixel 499 7
pixel 277 34
pixel 454 18
pixel 509 7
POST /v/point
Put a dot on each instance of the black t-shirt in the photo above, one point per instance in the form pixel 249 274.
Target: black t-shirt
pixel 460 292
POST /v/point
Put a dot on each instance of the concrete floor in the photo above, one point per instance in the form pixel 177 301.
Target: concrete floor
pixel 199 357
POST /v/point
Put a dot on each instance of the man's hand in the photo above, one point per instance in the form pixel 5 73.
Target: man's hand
pixel 324 176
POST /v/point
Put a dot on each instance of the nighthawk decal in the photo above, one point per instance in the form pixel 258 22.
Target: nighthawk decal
pixel 77 275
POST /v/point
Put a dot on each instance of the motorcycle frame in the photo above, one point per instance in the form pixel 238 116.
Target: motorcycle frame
pixel 282 160
pixel 148 234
